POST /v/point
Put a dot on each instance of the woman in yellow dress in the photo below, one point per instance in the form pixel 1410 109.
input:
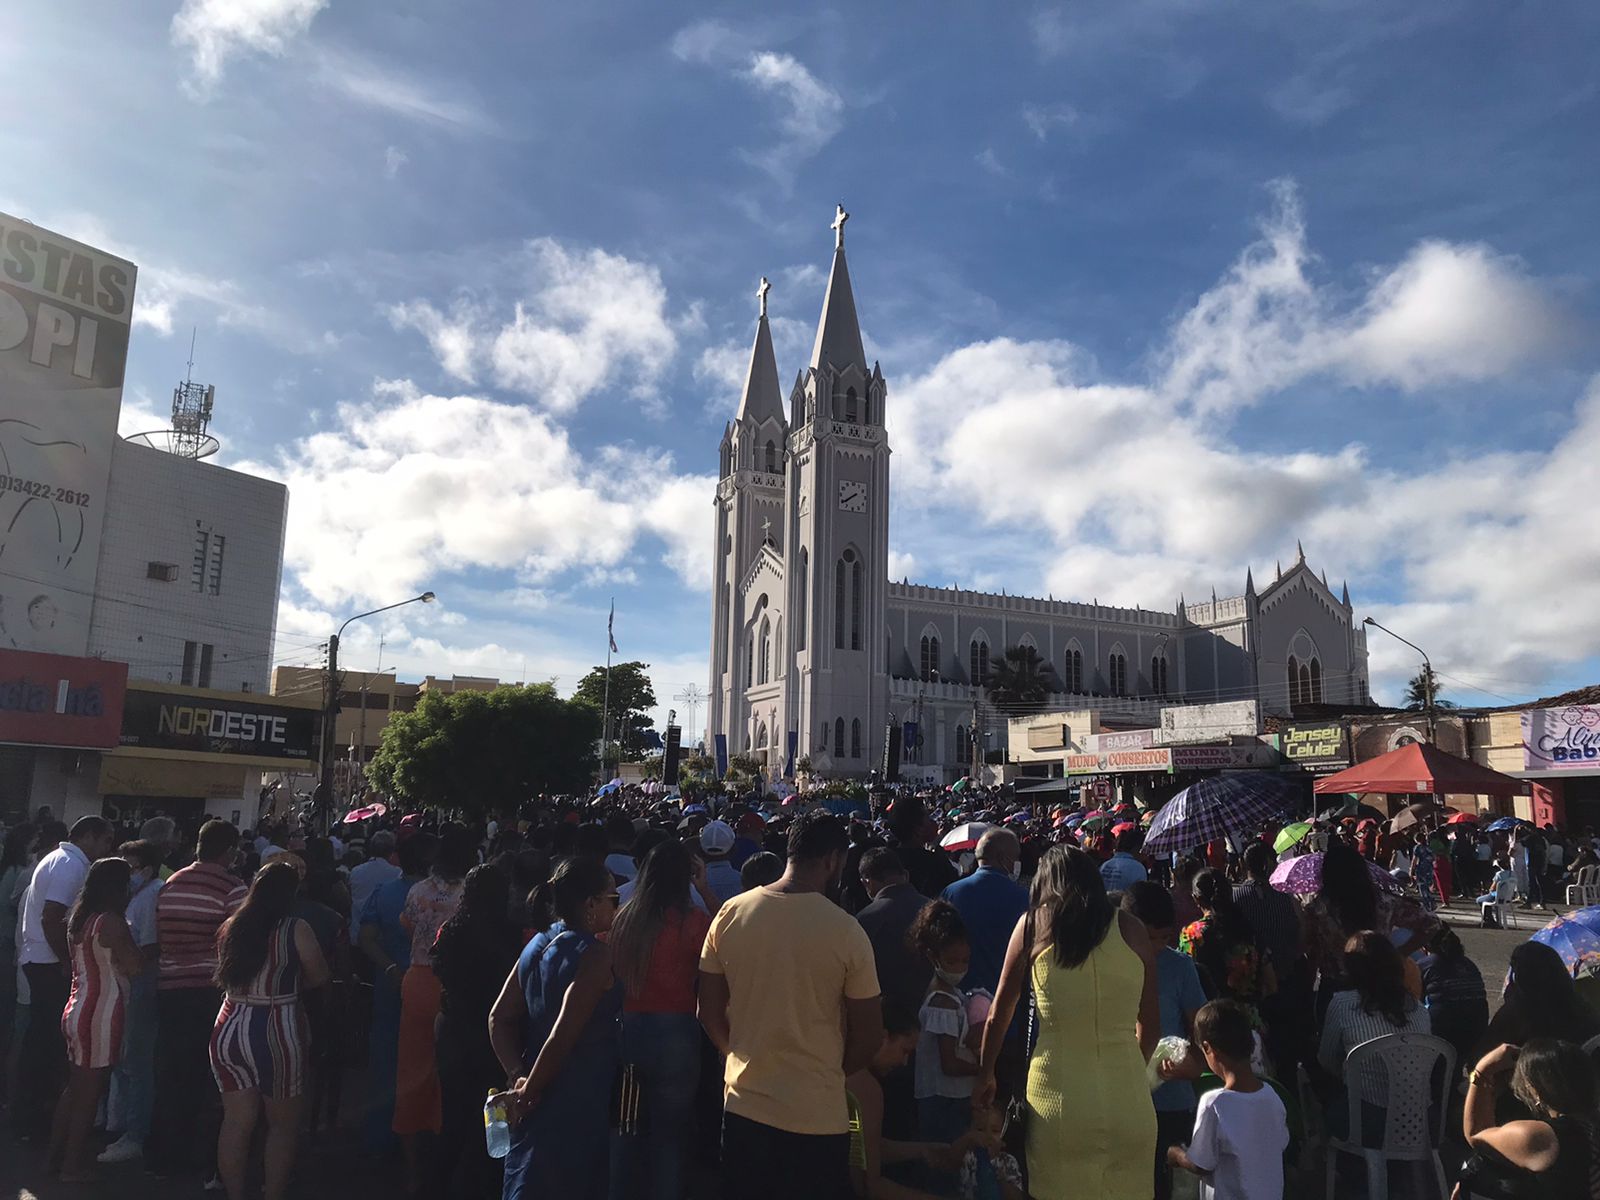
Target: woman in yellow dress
pixel 1091 1125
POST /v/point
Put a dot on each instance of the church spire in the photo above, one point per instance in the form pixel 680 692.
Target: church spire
pixel 838 332
pixel 762 399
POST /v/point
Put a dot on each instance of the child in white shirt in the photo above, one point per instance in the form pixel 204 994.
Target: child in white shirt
pixel 1240 1130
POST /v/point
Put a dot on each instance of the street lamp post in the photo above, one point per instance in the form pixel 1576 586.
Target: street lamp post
pixel 1427 672
pixel 330 709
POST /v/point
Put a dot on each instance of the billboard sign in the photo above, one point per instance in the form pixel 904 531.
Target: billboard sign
pixel 1122 739
pixel 1114 762
pixel 1324 746
pixel 218 723
pixel 1198 723
pixel 54 700
pixel 1561 739
pixel 65 313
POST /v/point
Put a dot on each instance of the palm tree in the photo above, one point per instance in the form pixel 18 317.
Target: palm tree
pixel 1016 680
pixel 1425 681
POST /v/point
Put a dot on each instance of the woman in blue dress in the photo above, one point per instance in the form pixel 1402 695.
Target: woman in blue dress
pixel 555 1032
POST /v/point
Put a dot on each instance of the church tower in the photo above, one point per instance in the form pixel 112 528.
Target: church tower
pixel 837 564
pixel 747 634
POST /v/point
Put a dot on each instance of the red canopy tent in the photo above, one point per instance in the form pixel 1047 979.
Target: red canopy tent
pixel 1422 769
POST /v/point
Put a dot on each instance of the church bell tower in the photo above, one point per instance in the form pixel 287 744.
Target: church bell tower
pixel 838 558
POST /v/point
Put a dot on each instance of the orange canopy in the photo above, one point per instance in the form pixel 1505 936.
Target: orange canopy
pixel 1424 769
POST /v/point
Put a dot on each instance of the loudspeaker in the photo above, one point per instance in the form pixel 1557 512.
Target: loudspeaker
pixel 669 769
pixel 891 753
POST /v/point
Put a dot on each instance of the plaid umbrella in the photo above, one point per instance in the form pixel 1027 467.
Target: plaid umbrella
pixel 1218 806
pixel 1303 876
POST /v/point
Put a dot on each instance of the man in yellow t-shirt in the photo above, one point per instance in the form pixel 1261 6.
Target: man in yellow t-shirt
pixel 789 993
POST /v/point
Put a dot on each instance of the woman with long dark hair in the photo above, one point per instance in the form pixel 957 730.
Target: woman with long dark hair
pixel 104 958
pixel 474 950
pixel 655 949
pixel 1091 1123
pixel 1347 903
pixel 1553 1154
pixel 554 1030
pixel 259 1048
pixel 1374 1003
pixel 1223 942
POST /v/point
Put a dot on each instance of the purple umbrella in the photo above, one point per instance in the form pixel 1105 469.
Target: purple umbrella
pixel 1216 807
pixel 1303 876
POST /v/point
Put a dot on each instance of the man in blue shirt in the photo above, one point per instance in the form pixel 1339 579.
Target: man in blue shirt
pixel 1122 870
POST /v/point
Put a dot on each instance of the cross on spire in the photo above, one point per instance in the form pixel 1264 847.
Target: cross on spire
pixel 761 294
pixel 766 529
pixel 839 218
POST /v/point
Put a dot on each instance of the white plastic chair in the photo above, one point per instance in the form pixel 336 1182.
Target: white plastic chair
pixel 1586 888
pixel 1505 911
pixel 1414 1084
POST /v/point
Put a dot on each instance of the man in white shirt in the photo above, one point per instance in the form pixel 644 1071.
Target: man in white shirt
pixel 43 956
pixel 367 878
pixel 717 840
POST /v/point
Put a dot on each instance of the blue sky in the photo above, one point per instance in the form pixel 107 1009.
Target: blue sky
pixel 1158 287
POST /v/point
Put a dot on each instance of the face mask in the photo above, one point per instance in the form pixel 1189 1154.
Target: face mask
pixel 1016 871
pixel 953 978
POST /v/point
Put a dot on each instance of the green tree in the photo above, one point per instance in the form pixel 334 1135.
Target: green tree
pixel 631 698
pixel 1016 680
pixel 487 751
pixel 1425 680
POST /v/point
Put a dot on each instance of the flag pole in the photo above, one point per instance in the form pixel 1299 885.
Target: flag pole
pixel 605 708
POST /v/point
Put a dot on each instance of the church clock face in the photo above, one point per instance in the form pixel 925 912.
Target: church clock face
pixel 852 496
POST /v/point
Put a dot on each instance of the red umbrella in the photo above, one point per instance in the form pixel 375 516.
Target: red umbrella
pixel 1463 818
pixel 1117 829
pixel 1421 769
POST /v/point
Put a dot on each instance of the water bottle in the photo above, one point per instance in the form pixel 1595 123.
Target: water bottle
pixel 496 1129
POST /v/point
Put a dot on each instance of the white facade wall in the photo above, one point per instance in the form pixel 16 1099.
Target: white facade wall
pixel 171 510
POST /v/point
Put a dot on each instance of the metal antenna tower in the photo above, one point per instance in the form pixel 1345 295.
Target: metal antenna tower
pixel 191 411
pixel 691 698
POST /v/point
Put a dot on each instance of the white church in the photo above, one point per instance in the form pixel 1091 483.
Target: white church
pixel 815 653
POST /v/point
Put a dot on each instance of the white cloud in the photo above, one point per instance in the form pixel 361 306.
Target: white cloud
pixel 390 90
pixel 217 30
pixel 407 488
pixel 810 113
pixel 1052 32
pixel 393 159
pixel 902 566
pixel 990 162
pixel 586 320
pixel 1446 313
pixel 1045 119
pixel 1135 491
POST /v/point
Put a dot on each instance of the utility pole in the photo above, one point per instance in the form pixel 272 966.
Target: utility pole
pixel 1427 675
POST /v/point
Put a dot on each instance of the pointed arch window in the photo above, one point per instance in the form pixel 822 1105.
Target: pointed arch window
pixel 961 750
pixel 1315 681
pixel 930 656
pixel 978 652
pixel 1073 673
pixel 1117 673
pixel 850 404
pixel 750 659
pixel 803 600
pixel 766 650
pixel 1294 681
pixel 840 574
pixel 855 738
pixel 838 737
pixel 1158 674
pixel 771 457
pixel 855 600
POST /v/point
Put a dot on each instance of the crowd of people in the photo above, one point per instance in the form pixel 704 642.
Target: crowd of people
pixel 790 1001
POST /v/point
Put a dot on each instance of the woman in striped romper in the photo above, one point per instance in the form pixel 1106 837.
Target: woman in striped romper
pixel 259 1047
pixel 103 958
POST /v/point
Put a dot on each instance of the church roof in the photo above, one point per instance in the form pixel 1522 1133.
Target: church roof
pixel 838 332
pixel 762 399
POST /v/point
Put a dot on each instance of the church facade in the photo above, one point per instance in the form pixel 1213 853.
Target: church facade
pixel 815 653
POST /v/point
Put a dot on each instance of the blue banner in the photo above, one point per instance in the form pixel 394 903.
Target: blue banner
pixel 721 743
pixel 794 748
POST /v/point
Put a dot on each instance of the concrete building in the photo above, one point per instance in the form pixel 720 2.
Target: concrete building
pixel 817 654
